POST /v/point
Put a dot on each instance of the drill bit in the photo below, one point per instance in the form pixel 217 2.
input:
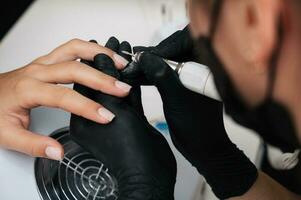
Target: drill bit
pixel 135 57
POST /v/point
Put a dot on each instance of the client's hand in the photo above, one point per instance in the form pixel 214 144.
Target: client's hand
pixel 137 155
pixel 37 84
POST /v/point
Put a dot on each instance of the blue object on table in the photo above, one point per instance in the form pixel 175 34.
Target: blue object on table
pixel 162 127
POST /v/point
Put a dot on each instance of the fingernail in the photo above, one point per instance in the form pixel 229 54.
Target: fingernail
pixel 123 86
pixel 120 60
pixel 54 153
pixel 108 115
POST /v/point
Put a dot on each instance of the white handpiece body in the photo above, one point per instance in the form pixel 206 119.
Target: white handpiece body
pixel 194 76
pixel 198 78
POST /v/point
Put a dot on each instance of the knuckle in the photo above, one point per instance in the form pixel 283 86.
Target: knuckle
pixel 32 68
pixel 74 69
pixel 75 42
pixel 74 65
pixel 22 85
pixel 64 93
pixel 88 104
pixel 33 150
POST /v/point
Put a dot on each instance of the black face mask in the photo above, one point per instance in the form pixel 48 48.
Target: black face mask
pixel 270 119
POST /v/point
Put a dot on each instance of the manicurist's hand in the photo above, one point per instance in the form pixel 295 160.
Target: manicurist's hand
pixel 195 121
pixel 36 84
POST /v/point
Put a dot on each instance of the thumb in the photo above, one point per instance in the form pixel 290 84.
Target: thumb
pixel 134 100
pixel 158 72
pixel 178 47
pixel 32 144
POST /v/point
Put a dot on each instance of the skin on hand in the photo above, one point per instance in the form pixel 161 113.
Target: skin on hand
pixel 37 85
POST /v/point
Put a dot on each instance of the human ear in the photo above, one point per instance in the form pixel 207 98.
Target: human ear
pixel 261 20
pixel 199 15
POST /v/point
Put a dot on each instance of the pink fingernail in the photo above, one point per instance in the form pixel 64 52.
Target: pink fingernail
pixel 54 153
pixel 120 60
pixel 108 115
pixel 123 86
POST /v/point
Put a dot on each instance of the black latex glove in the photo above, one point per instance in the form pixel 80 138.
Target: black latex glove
pixel 197 130
pixel 178 47
pixel 136 154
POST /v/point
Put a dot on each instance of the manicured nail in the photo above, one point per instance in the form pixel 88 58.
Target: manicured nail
pixel 108 115
pixel 120 60
pixel 123 86
pixel 54 153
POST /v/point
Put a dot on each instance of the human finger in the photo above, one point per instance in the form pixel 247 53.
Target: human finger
pixel 76 49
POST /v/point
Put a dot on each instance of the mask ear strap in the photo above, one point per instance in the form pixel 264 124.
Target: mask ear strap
pixel 215 13
pixel 273 64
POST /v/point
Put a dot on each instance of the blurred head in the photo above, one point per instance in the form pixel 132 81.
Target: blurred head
pixel 255 47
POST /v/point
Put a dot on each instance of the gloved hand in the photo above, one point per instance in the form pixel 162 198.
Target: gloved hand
pixel 178 47
pixel 197 130
pixel 136 154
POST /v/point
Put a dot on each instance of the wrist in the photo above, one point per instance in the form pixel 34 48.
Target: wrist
pixel 140 187
pixel 146 192
pixel 230 174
